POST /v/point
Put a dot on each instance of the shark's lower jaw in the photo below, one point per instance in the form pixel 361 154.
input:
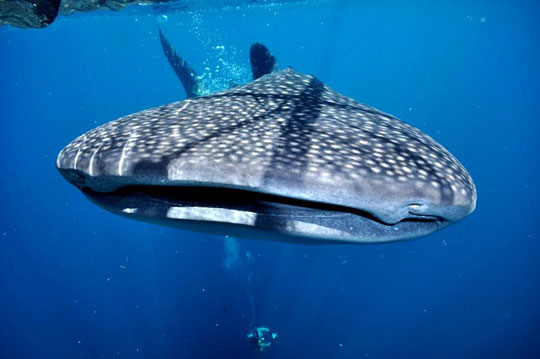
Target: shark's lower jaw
pixel 243 213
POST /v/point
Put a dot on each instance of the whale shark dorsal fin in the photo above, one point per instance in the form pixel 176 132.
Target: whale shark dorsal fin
pixel 262 61
pixel 184 72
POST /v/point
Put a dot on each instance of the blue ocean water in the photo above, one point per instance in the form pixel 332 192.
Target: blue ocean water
pixel 77 281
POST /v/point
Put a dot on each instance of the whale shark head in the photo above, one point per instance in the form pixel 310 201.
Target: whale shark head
pixel 283 157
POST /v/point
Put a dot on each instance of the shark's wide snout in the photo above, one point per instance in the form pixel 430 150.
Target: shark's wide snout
pixel 284 155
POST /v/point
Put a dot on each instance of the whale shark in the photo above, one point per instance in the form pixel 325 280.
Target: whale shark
pixel 283 157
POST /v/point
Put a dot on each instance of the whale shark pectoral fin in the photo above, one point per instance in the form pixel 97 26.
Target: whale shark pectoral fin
pixel 262 60
pixel 184 72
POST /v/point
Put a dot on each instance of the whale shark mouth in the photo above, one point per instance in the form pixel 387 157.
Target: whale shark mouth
pixel 212 208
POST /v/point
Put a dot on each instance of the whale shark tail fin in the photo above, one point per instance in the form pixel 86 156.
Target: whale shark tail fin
pixel 262 60
pixel 184 72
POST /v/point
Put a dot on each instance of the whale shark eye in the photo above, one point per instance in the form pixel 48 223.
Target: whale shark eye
pixel 77 178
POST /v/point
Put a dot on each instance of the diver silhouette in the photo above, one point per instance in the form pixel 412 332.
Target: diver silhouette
pixel 261 337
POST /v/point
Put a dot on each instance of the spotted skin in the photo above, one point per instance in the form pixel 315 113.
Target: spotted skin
pixel 285 134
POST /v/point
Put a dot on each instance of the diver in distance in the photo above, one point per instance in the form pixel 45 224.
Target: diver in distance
pixel 261 337
pixel 261 59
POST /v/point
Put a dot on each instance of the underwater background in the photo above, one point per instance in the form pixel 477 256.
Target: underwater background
pixel 79 282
